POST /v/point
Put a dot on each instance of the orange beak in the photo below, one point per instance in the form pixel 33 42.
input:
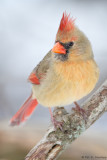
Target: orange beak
pixel 58 48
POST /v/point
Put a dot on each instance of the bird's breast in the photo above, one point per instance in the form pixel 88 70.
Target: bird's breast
pixel 67 82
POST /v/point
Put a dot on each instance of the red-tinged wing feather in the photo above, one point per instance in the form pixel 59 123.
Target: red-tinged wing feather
pixel 39 72
pixel 33 78
pixel 24 112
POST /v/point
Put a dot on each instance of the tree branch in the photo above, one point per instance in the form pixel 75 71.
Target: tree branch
pixel 55 141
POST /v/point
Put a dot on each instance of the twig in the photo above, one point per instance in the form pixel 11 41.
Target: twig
pixel 55 141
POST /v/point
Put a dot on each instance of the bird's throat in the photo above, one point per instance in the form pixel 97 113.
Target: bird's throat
pixel 61 57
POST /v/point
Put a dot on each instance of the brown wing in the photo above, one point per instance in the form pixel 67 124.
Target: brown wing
pixel 40 70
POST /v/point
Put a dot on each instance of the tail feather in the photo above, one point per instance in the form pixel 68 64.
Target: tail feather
pixel 24 112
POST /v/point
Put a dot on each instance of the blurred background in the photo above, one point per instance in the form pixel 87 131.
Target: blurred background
pixel 27 33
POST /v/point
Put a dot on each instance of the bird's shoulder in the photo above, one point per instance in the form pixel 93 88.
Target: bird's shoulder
pixel 40 70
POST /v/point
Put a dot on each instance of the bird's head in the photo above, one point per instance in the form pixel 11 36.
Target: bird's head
pixel 71 43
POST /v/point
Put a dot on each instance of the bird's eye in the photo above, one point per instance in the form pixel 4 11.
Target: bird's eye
pixel 71 44
pixel 68 45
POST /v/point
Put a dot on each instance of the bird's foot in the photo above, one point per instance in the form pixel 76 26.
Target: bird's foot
pixel 80 110
pixel 57 124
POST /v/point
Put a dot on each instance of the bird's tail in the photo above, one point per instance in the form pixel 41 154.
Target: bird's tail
pixel 24 112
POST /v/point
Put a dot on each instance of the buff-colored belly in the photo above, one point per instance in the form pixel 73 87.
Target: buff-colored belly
pixel 67 85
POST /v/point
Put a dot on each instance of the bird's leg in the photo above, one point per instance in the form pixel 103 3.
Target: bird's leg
pixel 54 121
pixel 80 110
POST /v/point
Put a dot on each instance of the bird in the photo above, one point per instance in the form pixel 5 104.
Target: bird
pixel 66 74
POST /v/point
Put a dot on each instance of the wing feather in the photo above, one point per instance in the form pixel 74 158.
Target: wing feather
pixel 40 70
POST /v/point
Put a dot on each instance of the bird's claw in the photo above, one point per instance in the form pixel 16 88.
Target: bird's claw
pixel 57 124
pixel 80 110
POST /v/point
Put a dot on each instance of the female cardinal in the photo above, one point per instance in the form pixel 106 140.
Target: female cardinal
pixel 66 74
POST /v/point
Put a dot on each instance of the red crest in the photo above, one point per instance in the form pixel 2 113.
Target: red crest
pixel 66 23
